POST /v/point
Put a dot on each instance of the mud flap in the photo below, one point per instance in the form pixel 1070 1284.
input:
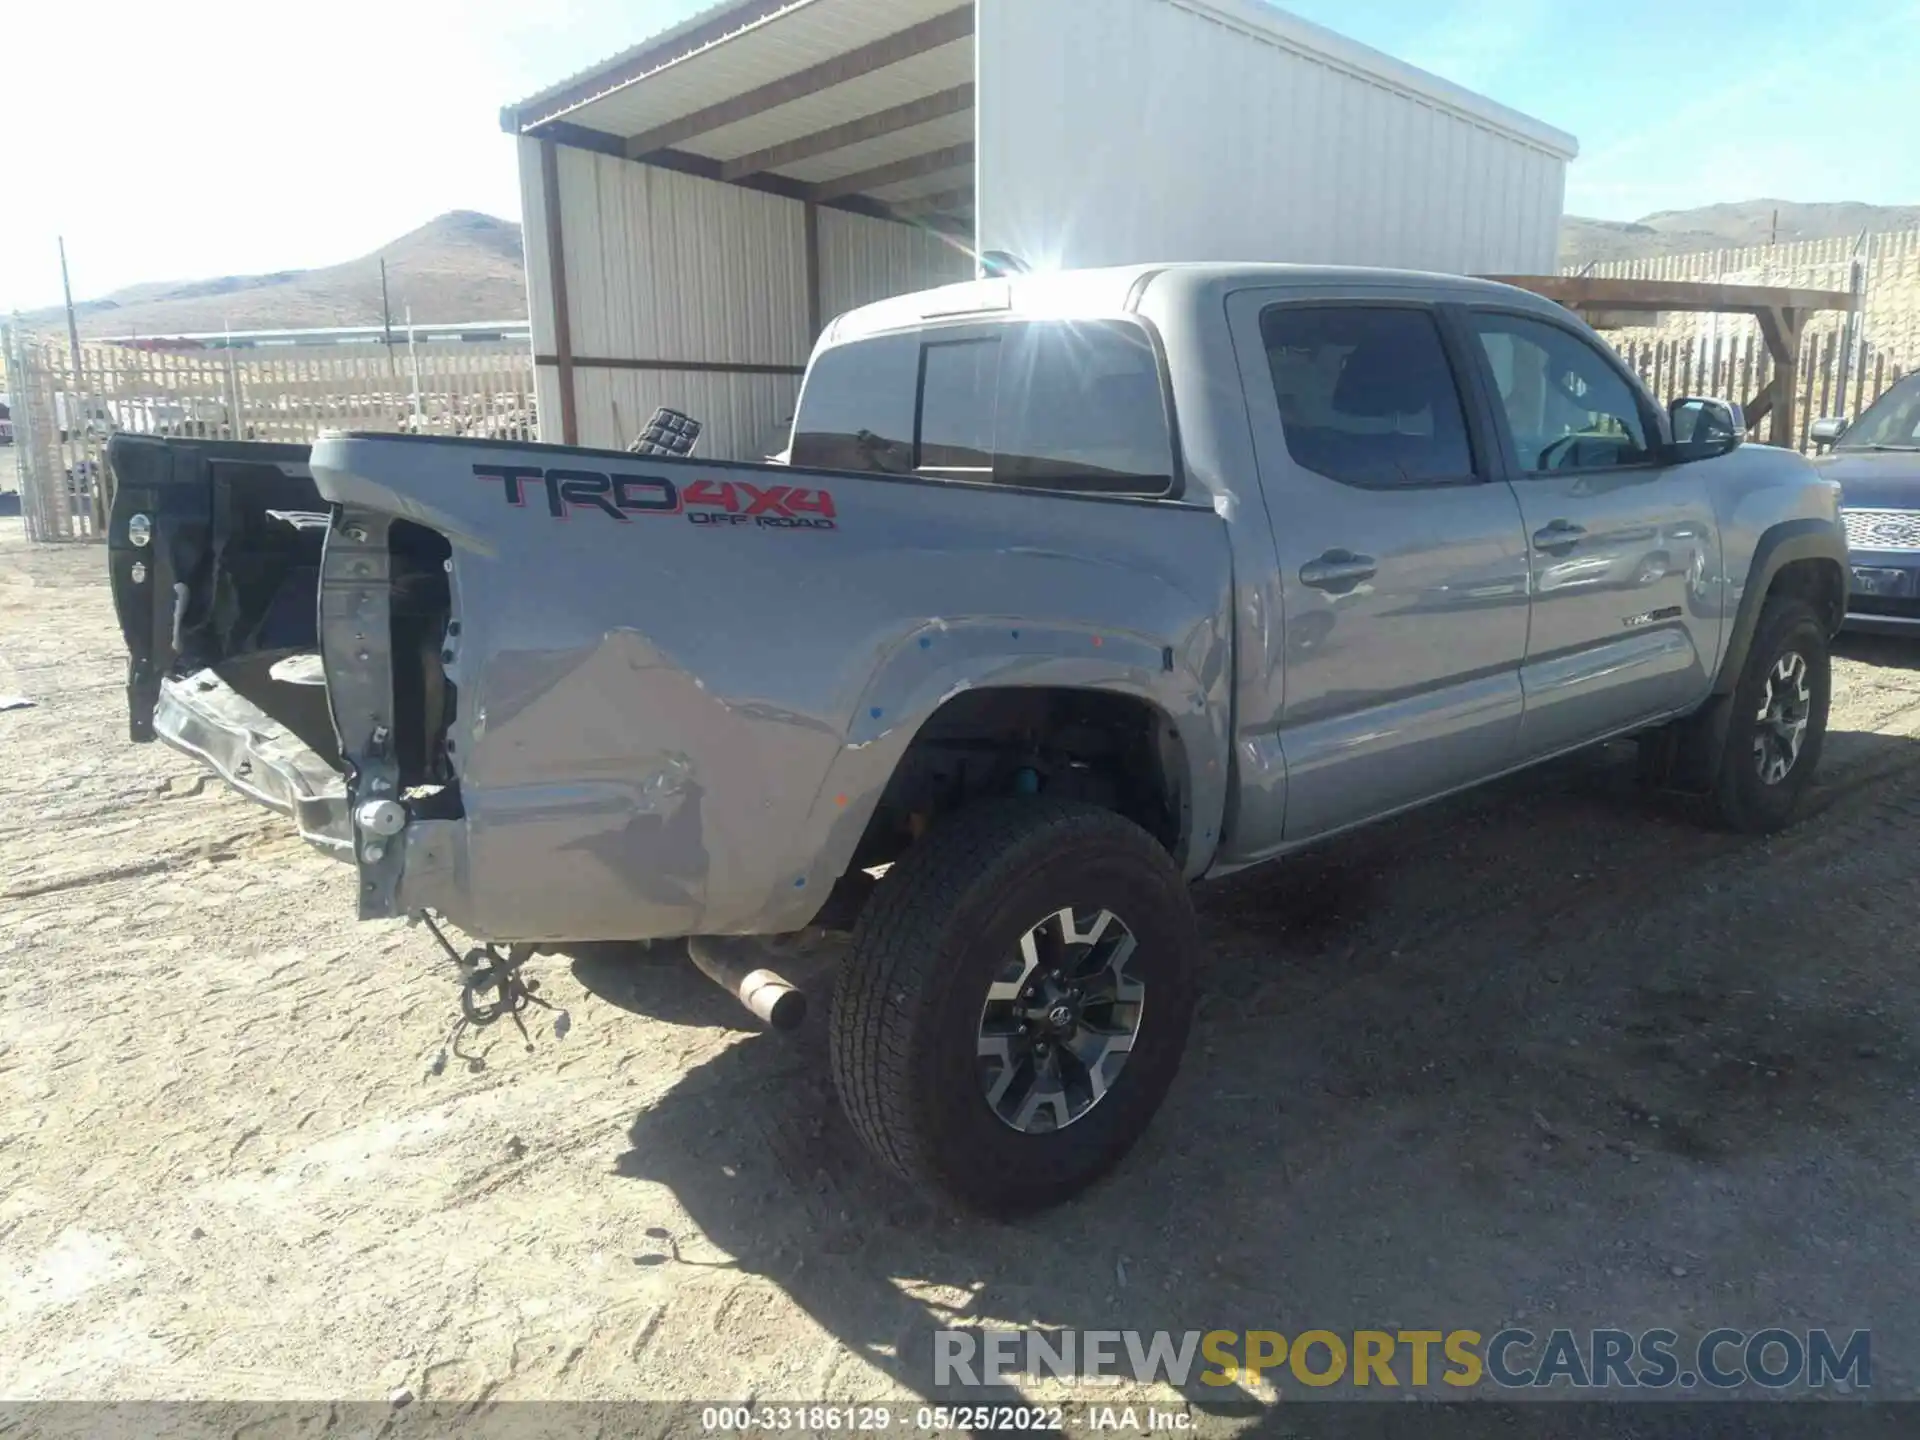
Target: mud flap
pixel 1684 755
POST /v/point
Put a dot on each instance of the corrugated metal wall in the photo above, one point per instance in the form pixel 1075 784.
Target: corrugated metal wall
pixel 1124 131
pixel 664 267
pixel 863 260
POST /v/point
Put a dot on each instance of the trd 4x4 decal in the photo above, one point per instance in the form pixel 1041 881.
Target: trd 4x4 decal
pixel 708 503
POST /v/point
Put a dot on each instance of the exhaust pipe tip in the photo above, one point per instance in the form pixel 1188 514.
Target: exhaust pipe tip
pixel 732 964
pixel 774 1000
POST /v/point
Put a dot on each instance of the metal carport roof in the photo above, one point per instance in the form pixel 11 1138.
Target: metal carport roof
pixel 868 105
pixel 971 122
pixel 865 105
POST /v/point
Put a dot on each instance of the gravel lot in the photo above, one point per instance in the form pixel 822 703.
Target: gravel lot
pixel 1549 1054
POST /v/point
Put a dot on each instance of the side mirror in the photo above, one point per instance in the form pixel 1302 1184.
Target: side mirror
pixel 1705 427
pixel 1825 431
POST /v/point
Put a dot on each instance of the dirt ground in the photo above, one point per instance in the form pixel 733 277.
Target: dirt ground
pixel 1551 1054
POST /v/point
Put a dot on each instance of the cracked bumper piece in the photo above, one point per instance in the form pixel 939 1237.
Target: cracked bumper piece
pixel 203 716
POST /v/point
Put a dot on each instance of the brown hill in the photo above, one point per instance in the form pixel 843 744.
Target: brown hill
pixel 1725 227
pixel 461 266
pixel 468 266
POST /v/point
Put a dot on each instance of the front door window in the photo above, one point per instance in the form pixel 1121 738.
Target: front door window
pixel 1566 406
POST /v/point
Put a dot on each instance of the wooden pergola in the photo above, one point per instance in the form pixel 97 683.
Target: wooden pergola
pixel 1782 312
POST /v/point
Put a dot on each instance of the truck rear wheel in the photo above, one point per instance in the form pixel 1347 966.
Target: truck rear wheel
pixel 1777 722
pixel 1016 1003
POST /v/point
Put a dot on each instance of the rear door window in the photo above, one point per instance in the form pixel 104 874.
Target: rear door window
pixel 1052 405
pixel 1366 393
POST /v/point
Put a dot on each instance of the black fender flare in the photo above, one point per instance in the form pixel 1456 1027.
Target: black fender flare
pixel 1690 752
pixel 1784 544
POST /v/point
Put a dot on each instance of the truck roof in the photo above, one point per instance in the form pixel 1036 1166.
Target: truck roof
pixel 1091 294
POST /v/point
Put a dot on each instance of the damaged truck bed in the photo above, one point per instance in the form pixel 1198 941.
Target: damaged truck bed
pixel 217 566
pixel 579 695
pixel 215 572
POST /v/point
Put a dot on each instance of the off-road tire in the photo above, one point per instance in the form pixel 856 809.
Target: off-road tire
pixel 907 1008
pixel 1741 800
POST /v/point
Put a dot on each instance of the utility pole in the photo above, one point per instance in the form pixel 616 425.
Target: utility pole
pixel 78 420
pixel 386 317
pixel 73 337
pixel 73 328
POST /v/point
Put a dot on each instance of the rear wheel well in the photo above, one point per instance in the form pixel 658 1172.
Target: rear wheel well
pixel 1096 746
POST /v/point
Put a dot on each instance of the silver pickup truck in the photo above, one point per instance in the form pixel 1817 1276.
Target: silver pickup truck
pixel 1072 590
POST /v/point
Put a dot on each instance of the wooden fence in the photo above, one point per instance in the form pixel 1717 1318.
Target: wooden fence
pixel 293 393
pixel 282 393
pixel 1734 365
pixel 1845 362
pixel 64 413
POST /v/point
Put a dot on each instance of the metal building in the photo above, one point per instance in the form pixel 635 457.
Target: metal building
pixel 697 207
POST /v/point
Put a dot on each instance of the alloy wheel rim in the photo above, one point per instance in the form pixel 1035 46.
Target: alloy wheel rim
pixel 1060 1020
pixel 1781 726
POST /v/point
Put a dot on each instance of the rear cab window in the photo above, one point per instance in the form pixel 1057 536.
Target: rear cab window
pixel 1075 406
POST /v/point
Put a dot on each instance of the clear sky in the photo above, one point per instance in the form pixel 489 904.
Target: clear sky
pixel 194 138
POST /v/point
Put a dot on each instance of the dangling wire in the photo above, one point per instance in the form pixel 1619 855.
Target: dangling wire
pixel 486 972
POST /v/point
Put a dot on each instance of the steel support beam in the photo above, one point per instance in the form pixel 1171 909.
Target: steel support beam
pixel 852 132
pixel 557 285
pixel 935 162
pixel 864 60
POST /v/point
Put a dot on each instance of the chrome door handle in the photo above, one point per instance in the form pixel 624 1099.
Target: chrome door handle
pixel 1337 571
pixel 1558 537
